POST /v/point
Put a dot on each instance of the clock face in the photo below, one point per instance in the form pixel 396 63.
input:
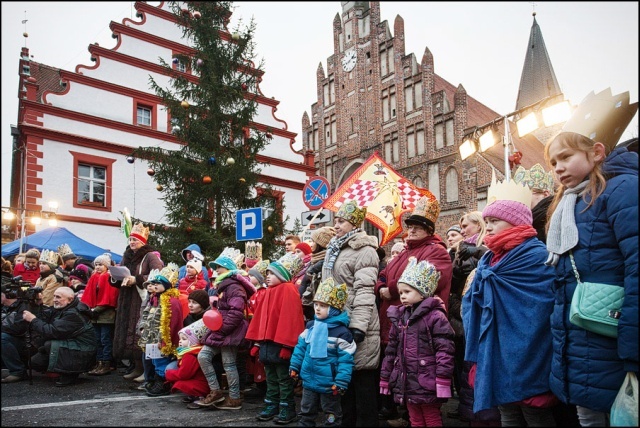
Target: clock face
pixel 349 60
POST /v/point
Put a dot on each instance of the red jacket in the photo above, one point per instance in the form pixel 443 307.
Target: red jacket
pixel 30 275
pixel 99 291
pixel 188 377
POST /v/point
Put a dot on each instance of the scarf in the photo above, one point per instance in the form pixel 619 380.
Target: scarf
pixel 315 257
pixel 181 351
pixel 334 247
pixel 318 335
pixel 563 232
pixel 472 239
pixel 507 240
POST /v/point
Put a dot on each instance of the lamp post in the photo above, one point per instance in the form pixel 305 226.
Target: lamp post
pixel 35 217
pixel 546 112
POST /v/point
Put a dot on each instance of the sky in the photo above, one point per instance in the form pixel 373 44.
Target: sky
pixel 481 45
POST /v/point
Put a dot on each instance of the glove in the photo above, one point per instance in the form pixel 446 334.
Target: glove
pixel 336 390
pixel 384 387
pixel 358 335
pixel 443 387
pixel 285 353
pixel 294 375
pixel 255 350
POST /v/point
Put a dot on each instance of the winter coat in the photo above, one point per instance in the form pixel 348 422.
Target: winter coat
pixel 101 298
pixel 151 323
pixel 587 368
pixel 71 336
pixel 49 283
pixel 320 374
pixel 186 284
pixel 126 334
pixel 430 248
pixel 182 272
pixel 357 266
pixel 463 264
pixel 420 350
pixel 233 294
pixel 30 275
pixel 188 377
pixel 191 318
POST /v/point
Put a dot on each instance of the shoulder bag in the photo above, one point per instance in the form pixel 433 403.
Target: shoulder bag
pixel 596 306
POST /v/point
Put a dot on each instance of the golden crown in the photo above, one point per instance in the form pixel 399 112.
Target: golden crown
pixel 231 253
pixel 139 229
pixel 64 250
pixel 331 294
pixel 168 273
pixel 292 263
pixel 427 207
pixel 352 213
pixel 602 117
pixel 262 266
pixel 508 191
pixel 50 256
pixel 422 276
pixel 253 250
pixel 536 178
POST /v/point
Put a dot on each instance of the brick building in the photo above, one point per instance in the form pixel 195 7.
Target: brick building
pixel 373 96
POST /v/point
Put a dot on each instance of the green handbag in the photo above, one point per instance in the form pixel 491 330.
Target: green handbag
pixel 595 306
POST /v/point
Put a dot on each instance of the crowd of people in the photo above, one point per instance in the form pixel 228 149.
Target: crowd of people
pixel 482 312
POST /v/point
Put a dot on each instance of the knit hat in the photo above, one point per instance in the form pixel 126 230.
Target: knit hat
pixel 103 259
pixel 226 259
pixel 200 297
pixel 323 235
pixel 286 267
pixel 425 213
pixel 80 272
pixel 65 252
pixel 51 258
pixel 196 264
pixel 259 270
pixel 455 228
pixel 513 212
pixel 140 232
pixel 422 276
pixel 332 294
pixel 352 213
pixel 304 247
pixel 195 332
pixel 398 247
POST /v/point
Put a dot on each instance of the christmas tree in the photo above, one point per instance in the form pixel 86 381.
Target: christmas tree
pixel 211 101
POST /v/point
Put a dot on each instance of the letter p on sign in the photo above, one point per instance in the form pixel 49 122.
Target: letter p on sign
pixel 249 224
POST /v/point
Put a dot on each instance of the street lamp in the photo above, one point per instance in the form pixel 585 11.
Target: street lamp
pixel 35 217
pixel 547 112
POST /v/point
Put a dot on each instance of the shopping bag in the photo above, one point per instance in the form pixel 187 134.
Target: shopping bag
pixel 624 411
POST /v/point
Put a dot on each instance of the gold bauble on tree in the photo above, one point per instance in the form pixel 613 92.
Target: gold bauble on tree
pixel 185 104
pixel 242 180
pixel 270 228
pixel 235 36
pixel 159 187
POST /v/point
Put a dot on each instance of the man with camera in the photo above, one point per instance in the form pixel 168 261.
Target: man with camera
pixel 18 341
pixel 69 338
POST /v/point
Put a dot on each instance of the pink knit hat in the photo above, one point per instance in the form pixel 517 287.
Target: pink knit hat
pixel 515 213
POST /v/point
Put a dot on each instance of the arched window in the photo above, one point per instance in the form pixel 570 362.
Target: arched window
pixel 451 182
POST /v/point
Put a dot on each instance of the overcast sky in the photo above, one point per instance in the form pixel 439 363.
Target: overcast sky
pixel 481 45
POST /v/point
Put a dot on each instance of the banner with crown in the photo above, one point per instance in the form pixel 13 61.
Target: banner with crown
pixel 384 192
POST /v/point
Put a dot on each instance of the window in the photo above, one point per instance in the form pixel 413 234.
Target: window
pixel 329 92
pixel 449 138
pixel 316 142
pixel 391 148
pixel 420 139
pixel 451 183
pixel 330 168
pixel 92 181
pixel 387 65
pixel 439 130
pixel 330 130
pixel 412 95
pixel 415 140
pixel 434 179
pixel 388 103
pixel 144 114
pixel 411 142
pixel 179 66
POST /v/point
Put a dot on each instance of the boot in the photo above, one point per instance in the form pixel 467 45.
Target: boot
pixel 96 369
pixel 104 368
pixel 137 371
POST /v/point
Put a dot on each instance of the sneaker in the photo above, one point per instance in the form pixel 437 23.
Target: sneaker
pixel 194 405
pixel 287 415
pixel 229 404
pixel 11 379
pixel 189 399
pixel 268 413
pixel 159 388
pixel 215 396
pixel 143 387
pixel 139 379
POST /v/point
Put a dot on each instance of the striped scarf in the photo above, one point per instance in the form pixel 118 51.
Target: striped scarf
pixel 333 250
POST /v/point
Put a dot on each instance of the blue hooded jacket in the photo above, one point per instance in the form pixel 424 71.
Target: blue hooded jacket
pixel 588 369
pixel 183 269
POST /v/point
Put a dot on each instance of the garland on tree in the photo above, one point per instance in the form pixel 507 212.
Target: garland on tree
pixel 165 321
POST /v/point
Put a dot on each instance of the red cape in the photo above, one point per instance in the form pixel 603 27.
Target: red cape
pixel 188 377
pixel 278 317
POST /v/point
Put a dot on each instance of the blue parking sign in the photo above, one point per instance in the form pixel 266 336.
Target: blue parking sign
pixel 249 224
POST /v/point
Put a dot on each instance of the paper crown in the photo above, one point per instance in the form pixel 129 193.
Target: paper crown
pixel 50 256
pixel 422 276
pixel 426 211
pixel 140 232
pixel 261 267
pixel 253 250
pixel 168 275
pixel 228 259
pixel 536 178
pixel 508 191
pixel 331 294
pixel 352 213
pixel 602 117
pixel 65 252
pixel 286 267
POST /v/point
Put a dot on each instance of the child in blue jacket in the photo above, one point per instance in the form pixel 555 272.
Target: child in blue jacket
pixel 323 357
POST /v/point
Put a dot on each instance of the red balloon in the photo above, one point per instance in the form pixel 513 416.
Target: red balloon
pixel 212 319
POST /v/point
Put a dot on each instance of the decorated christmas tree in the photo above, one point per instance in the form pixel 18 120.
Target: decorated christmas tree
pixel 211 101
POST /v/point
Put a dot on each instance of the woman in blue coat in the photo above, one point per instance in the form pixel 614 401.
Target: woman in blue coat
pixel 595 218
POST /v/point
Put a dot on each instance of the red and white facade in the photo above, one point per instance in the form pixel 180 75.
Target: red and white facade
pixel 80 126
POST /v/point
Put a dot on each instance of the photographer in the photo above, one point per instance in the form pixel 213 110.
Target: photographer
pixel 17 339
pixel 69 338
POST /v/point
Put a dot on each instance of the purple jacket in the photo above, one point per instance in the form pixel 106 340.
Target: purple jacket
pixel 233 292
pixel 420 349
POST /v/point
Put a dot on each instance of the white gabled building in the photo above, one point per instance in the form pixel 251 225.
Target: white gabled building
pixel 76 129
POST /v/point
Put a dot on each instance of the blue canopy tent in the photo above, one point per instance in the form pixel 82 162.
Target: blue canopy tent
pixel 51 238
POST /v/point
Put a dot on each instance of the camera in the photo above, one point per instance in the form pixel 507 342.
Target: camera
pixel 16 288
